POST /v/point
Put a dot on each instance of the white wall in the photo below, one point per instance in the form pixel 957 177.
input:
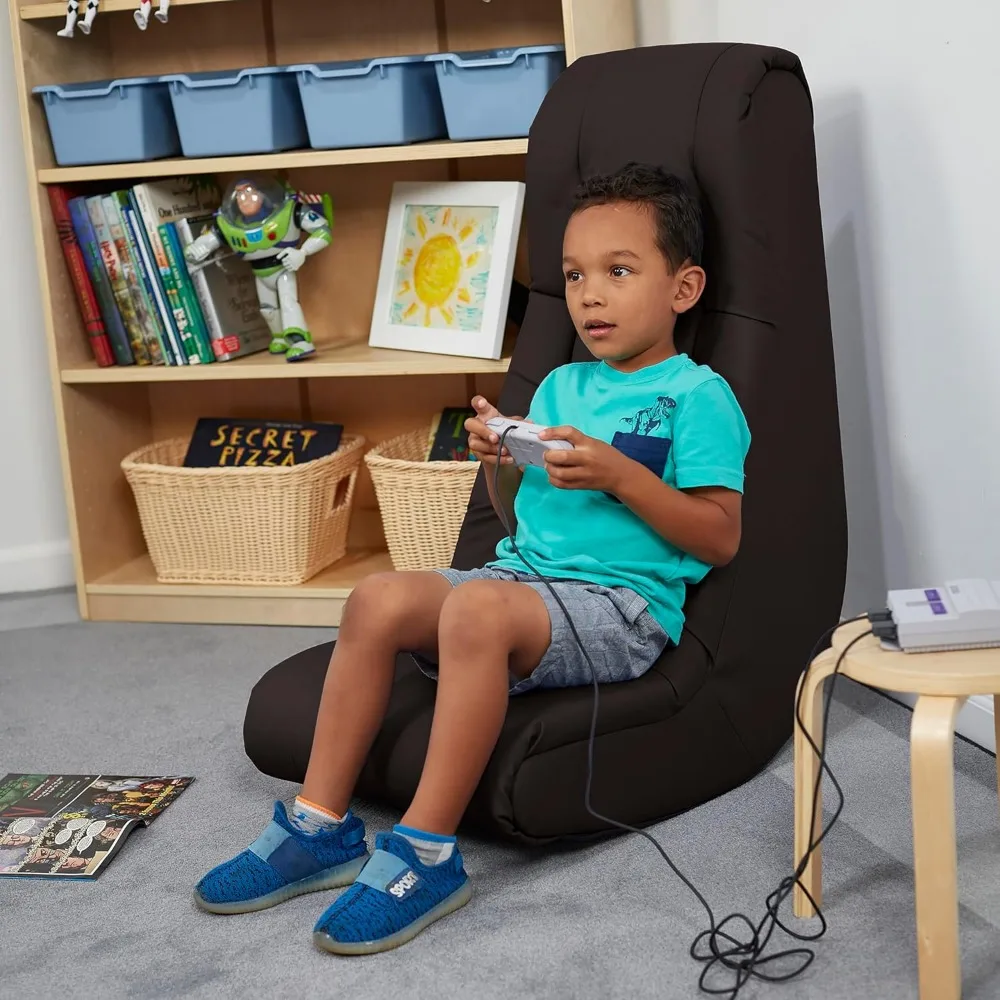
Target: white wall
pixel 909 174
pixel 34 546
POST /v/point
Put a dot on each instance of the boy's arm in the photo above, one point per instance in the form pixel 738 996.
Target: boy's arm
pixel 483 443
pixel 705 521
pixel 509 483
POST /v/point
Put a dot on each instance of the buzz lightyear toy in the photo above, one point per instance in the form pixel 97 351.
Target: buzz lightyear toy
pixel 261 220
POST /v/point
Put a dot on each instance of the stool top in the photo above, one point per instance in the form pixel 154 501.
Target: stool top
pixel 955 673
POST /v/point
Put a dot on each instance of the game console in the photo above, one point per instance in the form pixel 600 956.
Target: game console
pixel 962 614
pixel 523 443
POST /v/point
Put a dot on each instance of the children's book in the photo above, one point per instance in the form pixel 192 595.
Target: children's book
pixel 164 201
pixel 448 440
pixel 119 286
pixel 59 199
pixel 227 442
pixel 87 238
pixel 228 297
pixel 72 825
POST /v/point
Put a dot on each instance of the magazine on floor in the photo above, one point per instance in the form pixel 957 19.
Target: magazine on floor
pixel 72 825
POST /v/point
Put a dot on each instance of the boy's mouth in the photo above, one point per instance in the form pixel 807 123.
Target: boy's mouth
pixel 598 328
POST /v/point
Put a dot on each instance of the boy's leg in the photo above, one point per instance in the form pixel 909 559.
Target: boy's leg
pixel 488 629
pixel 386 613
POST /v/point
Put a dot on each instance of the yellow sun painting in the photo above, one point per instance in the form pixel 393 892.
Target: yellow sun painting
pixel 443 267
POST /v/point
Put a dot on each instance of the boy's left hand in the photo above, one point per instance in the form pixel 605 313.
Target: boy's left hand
pixel 591 465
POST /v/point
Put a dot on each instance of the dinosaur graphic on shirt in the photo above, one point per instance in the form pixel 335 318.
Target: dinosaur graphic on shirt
pixel 651 418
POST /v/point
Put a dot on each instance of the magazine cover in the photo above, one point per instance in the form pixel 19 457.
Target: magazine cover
pixel 72 825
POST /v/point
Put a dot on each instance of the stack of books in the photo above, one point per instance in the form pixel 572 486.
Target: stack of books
pixel 140 302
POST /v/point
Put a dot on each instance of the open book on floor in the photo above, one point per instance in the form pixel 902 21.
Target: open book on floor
pixel 72 825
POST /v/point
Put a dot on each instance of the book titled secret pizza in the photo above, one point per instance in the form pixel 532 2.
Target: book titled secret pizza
pixel 225 442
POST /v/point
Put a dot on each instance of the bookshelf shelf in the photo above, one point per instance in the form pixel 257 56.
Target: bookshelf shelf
pixel 132 593
pixel 35 11
pixel 104 414
pixel 350 361
pixel 294 160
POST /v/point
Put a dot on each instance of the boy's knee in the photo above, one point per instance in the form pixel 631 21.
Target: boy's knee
pixel 377 601
pixel 474 612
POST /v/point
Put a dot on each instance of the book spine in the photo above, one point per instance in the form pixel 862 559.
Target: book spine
pixel 146 318
pixel 189 302
pixel 149 220
pixel 155 283
pixel 99 279
pixel 97 336
pixel 204 294
pixel 113 266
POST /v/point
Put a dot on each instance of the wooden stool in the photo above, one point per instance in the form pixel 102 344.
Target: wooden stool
pixel 943 681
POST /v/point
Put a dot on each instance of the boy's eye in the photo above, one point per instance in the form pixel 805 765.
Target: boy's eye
pixel 620 270
pixel 573 276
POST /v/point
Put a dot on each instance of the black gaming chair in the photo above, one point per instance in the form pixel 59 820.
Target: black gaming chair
pixel 736 122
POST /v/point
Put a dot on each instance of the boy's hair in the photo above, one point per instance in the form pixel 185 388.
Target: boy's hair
pixel 676 213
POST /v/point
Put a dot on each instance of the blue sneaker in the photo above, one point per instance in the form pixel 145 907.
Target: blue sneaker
pixel 393 899
pixel 284 862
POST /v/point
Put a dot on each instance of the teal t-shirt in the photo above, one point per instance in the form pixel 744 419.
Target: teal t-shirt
pixel 677 418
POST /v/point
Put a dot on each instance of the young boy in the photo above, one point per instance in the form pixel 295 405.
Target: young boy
pixel 647 500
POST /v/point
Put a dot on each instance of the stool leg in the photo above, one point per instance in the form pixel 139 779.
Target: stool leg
pixel 806 770
pixel 935 863
pixel 996 724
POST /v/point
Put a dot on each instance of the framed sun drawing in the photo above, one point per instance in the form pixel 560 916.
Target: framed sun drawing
pixel 447 265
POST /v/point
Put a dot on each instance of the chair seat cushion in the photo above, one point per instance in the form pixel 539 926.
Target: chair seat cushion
pixel 653 755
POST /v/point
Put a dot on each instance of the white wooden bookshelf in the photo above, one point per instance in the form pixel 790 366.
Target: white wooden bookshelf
pixel 104 413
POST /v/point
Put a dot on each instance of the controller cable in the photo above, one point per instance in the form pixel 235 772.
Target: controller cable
pixel 716 946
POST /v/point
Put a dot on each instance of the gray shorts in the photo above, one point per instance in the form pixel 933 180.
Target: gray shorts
pixel 622 637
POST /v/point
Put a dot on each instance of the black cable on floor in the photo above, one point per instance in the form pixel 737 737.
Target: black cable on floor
pixel 745 958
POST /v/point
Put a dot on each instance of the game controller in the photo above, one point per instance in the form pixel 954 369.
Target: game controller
pixel 523 442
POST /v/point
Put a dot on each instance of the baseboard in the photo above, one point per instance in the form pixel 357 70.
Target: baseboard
pixel 44 566
pixel 974 722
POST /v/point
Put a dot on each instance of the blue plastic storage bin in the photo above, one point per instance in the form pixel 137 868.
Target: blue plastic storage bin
pixel 371 102
pixel 110 121
pixel 238 111
pixel 495 94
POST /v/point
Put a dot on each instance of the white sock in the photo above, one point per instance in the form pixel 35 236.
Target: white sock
pixel 431 848
pixel 311 818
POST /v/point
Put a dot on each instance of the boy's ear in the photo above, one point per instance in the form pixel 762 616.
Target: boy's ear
pixel 689 283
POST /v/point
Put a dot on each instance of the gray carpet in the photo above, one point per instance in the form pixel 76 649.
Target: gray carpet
pixel 608 921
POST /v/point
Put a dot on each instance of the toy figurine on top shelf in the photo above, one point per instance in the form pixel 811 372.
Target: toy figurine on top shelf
pixel 72 13
pixel 141 16
pixel 261 219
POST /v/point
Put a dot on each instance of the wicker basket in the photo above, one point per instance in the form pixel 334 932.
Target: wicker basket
pixel 243 525
pixel 422 503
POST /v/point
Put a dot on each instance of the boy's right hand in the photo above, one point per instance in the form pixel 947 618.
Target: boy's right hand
pixel 483 442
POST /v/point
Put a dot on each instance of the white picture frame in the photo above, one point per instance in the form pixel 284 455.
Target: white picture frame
pixel 447 266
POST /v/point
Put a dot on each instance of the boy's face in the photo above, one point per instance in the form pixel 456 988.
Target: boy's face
pixel 620 291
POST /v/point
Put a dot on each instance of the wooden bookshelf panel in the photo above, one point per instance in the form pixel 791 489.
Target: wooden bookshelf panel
pixel 174 409
pixel 349 361
pixel 295 159
pixel 70 337
pixel 214 36
pixel 34 9
pixel 102 425
pixel 327 30
pixel 471 25
pixel 132 593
